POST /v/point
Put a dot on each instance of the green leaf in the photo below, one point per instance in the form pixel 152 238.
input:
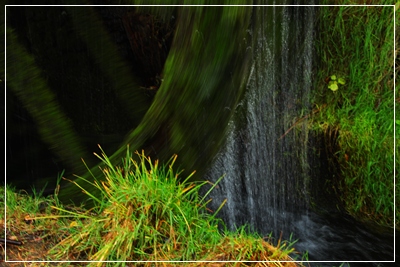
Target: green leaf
pixel 333 77
pixel 333 86
pixel 398 122
pixel 341 81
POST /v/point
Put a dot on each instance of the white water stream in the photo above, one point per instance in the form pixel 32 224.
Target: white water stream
pixel 268 169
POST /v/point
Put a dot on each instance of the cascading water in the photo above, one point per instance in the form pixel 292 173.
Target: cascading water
pixel 268 166
pixel 278 89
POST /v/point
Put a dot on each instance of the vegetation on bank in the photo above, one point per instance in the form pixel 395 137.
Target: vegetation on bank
pixel 143 213
pixel 167 220
pixel 356 44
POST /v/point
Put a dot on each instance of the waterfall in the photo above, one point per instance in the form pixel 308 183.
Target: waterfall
pixel 272 174
pixel 266 167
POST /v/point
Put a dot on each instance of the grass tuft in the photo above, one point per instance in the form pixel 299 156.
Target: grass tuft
pixel 143 213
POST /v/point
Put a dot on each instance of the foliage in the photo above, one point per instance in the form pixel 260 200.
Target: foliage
pixel 357 41
pixel 142 214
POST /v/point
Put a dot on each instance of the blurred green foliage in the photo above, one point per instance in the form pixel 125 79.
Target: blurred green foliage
pixel 204 78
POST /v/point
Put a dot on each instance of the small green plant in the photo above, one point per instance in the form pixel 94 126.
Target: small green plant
pixel 335 81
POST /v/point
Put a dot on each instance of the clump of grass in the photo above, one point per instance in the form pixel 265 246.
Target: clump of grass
pixel 356 42
pixel 145 214
pixel 142 213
